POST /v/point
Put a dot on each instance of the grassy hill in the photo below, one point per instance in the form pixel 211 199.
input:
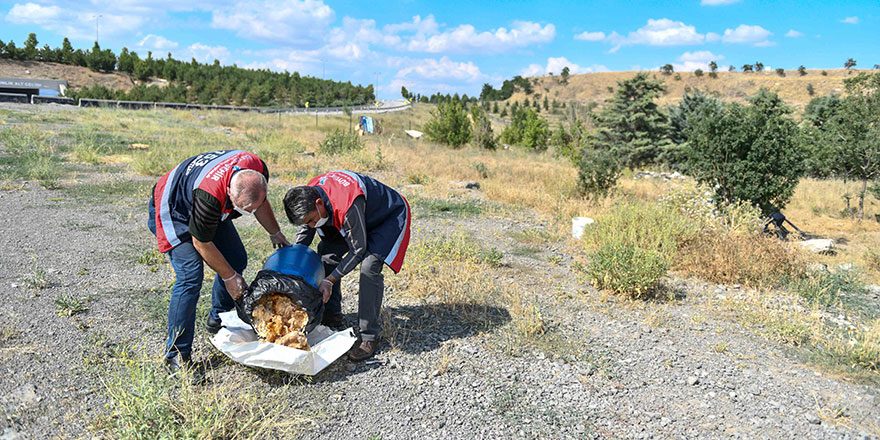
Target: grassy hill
pixel 730 86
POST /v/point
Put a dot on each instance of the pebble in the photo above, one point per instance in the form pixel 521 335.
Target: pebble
pixel 813 419
pixel 692 380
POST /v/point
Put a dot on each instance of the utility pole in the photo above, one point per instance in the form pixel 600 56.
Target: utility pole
pixel 98 16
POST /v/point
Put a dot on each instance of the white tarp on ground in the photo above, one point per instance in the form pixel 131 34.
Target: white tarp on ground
pixel 415 134
pixel 239 341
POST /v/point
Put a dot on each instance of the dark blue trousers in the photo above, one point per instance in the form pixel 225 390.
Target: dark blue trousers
pixel 189 271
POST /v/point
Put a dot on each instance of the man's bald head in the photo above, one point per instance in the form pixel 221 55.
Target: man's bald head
pixel 247 189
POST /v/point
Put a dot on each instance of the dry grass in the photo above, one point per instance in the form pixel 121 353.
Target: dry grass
pixel 750 260
pixel 734 86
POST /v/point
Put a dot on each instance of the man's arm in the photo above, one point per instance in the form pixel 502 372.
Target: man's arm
pixel 214 258
pixel 356 236
pixel 304 236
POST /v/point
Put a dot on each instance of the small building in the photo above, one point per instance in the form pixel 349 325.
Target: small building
pixel 30 86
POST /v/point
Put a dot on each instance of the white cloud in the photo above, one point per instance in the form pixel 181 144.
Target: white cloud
pixel 703 55
pixel 293 23
pixel 157 43
pixel 690 61
pixel 793 34
pixel 555 66
pixel 207 54
pixel 712 37
pixel 662 32
pixel 444 68
pixel 747 34
pixel 76 25
pixel 32 13
pixel 420 26
pixel 850 20
pixel 465 39
pixel 718 2
pixel 590 36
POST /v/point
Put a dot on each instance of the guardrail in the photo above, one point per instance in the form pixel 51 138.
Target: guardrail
pixel 147 105
pixel 14 97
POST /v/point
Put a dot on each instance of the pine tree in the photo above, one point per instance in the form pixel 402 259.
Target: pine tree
pixel 630 125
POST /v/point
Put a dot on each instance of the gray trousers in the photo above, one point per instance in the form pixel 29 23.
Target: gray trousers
pixel 371 286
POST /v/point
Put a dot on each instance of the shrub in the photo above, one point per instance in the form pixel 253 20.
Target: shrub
pixel 780 71
pixel 627 269
pixel 748 259
pixel 650 226
pixel 527 129
pixel 598 171
pixel 824 287
pixel 449 125
pixel 483 135
pixel 340 142
pixel 750 153
pixel 698 73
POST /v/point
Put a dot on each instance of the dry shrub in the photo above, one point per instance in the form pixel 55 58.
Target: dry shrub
pixel 748 259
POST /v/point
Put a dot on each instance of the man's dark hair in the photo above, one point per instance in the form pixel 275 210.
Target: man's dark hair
pixel 299 202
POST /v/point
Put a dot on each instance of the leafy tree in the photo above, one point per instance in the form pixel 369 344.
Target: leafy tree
pixel 503 113
pixel 495 107
pixel 546 103
pixel 854 132
pixel 11 52
pixel 713 66
pixel 569 140
pixel 780 71
pixel 732 68
pixel 747 67
pixel 630 125
pixel 667 69
pixel 404 92
pixel 698 73
pixel 802 70
pixel 565 73
pixel 528 129
pixel 810 89
pixel 849 64
pixel 30 47
pixel 759 66
pixel 747 153
pixel 483 134
pixel 449 125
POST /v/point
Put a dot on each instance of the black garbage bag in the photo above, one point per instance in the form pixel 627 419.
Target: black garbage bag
pixel 294 287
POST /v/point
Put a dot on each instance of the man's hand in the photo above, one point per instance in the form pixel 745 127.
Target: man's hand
pixel 278 240
pixel 326 288
pixel 235 285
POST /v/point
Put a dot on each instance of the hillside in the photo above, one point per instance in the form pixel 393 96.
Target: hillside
pixel 77 77
pixel 731 86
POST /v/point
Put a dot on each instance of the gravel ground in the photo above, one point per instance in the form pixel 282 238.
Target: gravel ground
pixel 620 371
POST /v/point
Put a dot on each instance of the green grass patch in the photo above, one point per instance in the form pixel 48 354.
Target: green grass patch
pixel 114 190
pixel 147 403
pixel 69 305
pixel 30 154
pixel 455 208
pixel 827 288
pixel 531 236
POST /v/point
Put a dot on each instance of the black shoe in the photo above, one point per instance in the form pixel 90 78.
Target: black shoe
pixel 333 321
pixel 213 326
pixel 174 364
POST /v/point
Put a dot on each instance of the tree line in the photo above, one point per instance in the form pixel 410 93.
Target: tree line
pixel 192 82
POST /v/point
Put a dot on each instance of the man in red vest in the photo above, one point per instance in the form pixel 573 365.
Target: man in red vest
pixel 191 213
pixel 367 222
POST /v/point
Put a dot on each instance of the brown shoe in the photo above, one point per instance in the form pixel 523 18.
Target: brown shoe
pixel 363 351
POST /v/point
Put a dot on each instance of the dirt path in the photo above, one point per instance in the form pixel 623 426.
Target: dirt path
pixel 605 369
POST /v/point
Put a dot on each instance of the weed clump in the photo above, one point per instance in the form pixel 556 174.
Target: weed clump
pixel 340 142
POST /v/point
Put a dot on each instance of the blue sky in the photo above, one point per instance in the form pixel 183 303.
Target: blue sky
pixel 457 46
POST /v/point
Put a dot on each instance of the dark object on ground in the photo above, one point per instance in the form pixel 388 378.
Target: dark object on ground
pixel 174 364
pixel 298 290
pixel 363 351
pixel 778 220
pixel 213 326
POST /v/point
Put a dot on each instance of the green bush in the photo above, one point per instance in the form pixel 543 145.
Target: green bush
pixel 449 125
pixel 598 171
pixel 483 135
pixel 750 153
pixel 340 142
pixel 824 287
pixel 631 247
pixel 627 269
pixel 527 129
